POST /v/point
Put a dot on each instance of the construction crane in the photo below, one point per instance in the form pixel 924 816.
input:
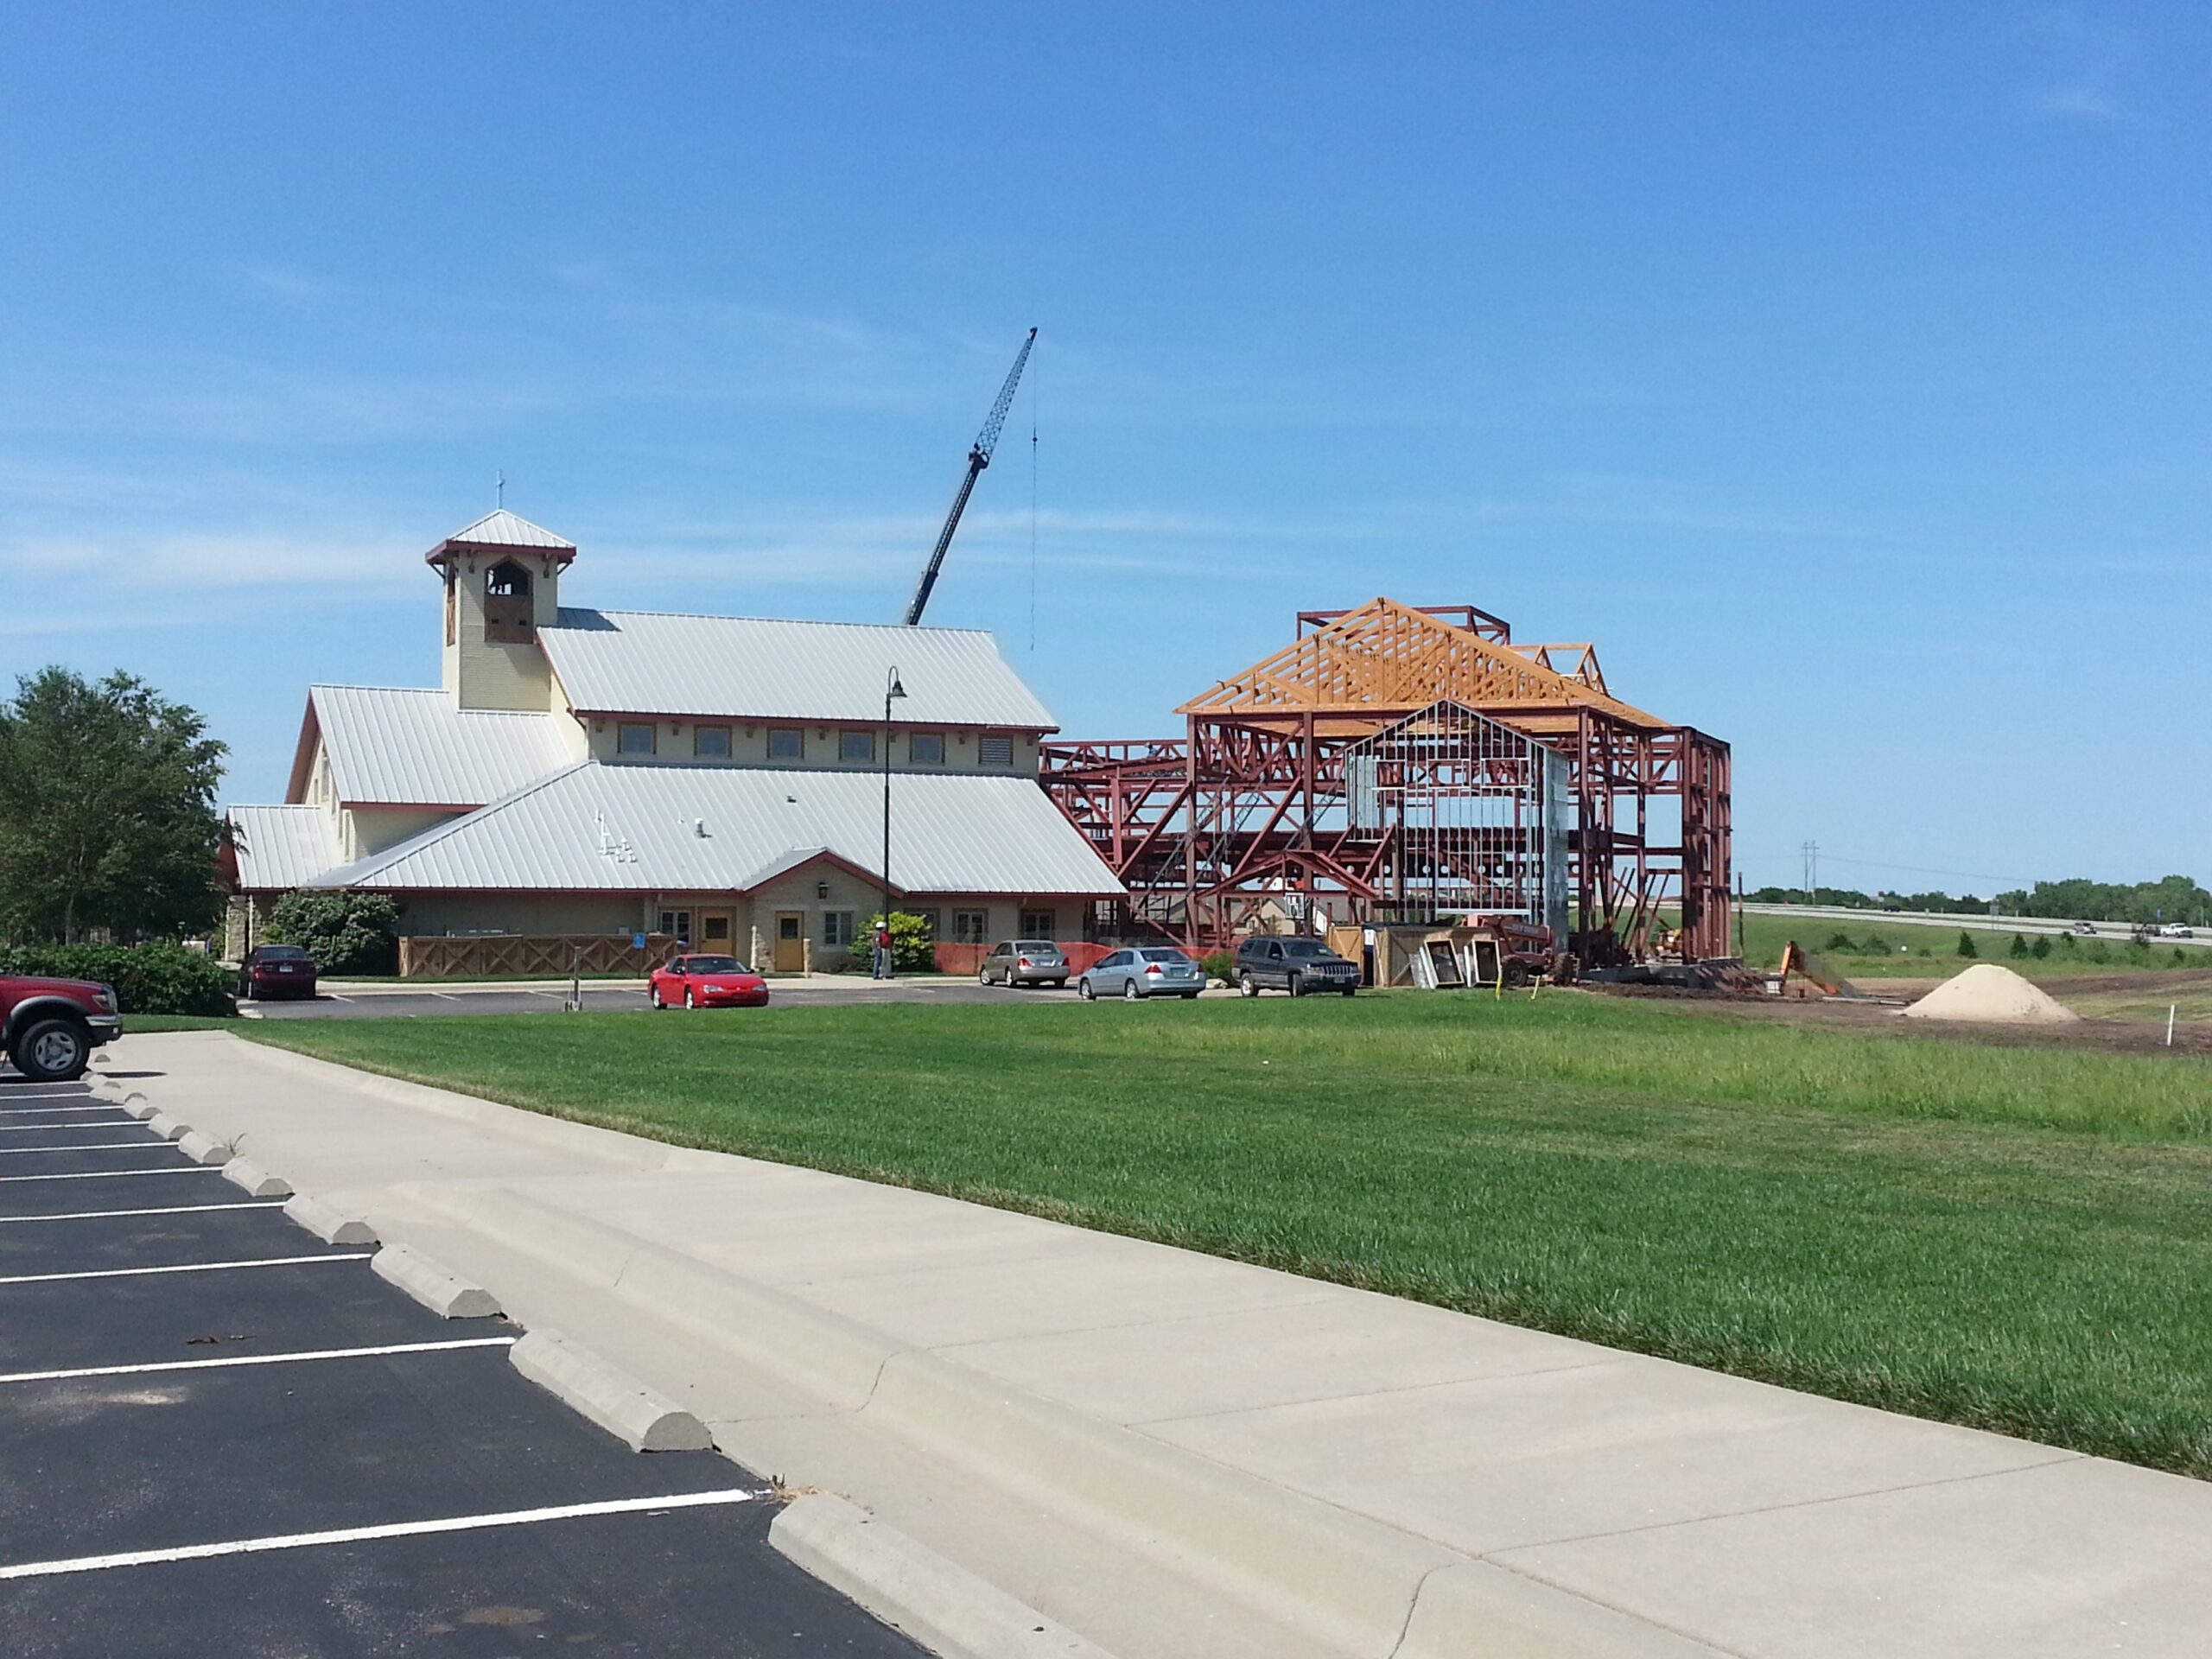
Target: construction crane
pixel 979 456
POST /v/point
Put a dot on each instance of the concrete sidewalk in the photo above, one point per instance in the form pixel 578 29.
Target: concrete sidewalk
pixel 1178 1455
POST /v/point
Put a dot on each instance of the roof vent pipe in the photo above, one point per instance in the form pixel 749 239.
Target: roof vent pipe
pixel 699 828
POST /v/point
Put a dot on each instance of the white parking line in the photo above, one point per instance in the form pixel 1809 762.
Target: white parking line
pixel 90 1146
pixel 162 1210
pixel 182 1266
pixel 257 1359
pixel 66 1123
pixel 94 1106
pixel 110 1174
pixel 395 1529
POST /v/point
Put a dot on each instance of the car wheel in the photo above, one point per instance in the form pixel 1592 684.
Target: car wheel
pixel 1350 990
pixel 1297 986
pixel 690 1002
pixel 1190 996
pixel 54 1050
pixel 1245 987
pixel 1059 984
pixel 654 992
pixel 1129 992
pixel 983 976
pixel 1083 989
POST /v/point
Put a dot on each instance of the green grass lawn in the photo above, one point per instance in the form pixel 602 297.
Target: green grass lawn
pixel 1882 947
pixel 2016 1238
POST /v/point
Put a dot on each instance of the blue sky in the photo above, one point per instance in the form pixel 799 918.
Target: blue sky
pixel 1841 370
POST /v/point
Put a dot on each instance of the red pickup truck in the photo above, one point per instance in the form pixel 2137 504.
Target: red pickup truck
pixel 49 1027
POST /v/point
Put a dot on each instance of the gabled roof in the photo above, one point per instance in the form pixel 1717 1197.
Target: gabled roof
pixel 279 848
pixel 499 530
pixel 390 747
pixel 747 667
pixel 1383 659
pixel 637 828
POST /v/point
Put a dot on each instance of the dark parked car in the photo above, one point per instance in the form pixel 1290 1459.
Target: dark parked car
pixel 276 970
pixel 1299 966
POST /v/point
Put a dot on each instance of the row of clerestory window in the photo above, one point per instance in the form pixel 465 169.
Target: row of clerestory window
pixel 789 743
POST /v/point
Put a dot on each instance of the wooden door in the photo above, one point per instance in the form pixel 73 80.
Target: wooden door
pixel 715 928
pixel 790 941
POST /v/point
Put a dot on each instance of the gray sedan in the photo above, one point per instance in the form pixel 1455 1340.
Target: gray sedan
pixel 1023 961
pixel 1150 970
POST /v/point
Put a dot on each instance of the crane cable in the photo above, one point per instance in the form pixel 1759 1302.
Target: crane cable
pixel 1033 513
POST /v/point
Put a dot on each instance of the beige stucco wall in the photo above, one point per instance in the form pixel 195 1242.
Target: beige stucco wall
pixel 674 742
pixel 520 912
pixel 485 676
pixel 365 830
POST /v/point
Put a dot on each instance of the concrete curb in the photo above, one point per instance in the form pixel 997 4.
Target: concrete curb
pixel 137 1105
pixel 202 1148
pixel 445 1294
pixel 946 1608
pixel 167 1126
pixel 617 1402
pixel 257 1182
pixel 1356 1583
pixel 329 1222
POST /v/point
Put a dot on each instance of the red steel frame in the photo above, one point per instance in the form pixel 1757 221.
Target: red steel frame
pixel 1247 808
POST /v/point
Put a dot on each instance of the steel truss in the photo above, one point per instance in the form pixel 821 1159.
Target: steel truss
pixel 1371 812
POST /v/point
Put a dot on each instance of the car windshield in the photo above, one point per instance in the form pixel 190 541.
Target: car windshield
pixel 1305 947
pixel 716 966
pixel 1164 956
pixel 283 953
pixel 1038 947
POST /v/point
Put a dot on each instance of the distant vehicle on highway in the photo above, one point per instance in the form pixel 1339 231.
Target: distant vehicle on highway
pixel 1299 966
pixel 1142 971
pixel 2177 931
pixel 2086 929
pixel 704 982
pixel 276 970
pixel 1024 962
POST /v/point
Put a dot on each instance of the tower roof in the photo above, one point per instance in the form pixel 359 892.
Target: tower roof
pixel 503 531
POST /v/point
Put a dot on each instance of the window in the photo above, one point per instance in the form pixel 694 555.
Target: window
pixel 856 746
pixel 994 751
pixel 926 748
pixel 676 924
pixel 968 927
pixel 786 743
pixel 710 741
pixel 636 737
pixel 836 927
pixel 1040 924
pixel 717 929
pixel 928 920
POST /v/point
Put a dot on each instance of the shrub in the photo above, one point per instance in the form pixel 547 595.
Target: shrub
pixel 344 933
pixel 2098 952
pixel 1839 942
pixel 1221 965
pixel 2041 948
pixel 912 950
pixel 2019 947
pixel 148 978
pixel 1966 943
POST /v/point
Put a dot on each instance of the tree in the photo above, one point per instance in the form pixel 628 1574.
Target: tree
pixel 2019 947
pixel 344 933
pixel 107 810
pixel 1966 943
pixel 2041 948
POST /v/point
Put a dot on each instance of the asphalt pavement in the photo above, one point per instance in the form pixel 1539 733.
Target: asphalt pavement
pixel 400 1002
pixel 224 1437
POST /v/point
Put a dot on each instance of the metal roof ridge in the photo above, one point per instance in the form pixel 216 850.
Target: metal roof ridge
pixel 784 621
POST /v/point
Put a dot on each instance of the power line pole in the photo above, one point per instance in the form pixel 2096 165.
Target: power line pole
pixel 1812 851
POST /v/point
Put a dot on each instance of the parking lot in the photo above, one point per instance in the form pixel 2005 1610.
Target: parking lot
pixel 223 1437
pixel 402 1001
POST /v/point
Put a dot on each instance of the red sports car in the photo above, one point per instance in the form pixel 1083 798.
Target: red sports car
pixel 706 982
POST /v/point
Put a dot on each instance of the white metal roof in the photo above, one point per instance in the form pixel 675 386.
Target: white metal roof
pixel 280 847
pixel 645 662
pixel 390 746
pixel 635 828
pixel 505 529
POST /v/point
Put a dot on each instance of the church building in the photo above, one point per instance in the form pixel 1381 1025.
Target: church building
pixel 715 779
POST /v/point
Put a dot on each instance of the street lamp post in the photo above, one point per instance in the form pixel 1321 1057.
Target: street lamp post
pixel 883 931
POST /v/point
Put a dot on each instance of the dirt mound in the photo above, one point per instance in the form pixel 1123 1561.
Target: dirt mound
pixel 1991 995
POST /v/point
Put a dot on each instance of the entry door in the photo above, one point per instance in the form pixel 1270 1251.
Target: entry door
pixel 790 941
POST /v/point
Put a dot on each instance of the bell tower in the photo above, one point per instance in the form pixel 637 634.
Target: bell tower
pixel 503 584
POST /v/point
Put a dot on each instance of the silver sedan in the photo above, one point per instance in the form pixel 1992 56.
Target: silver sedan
pixel 1148 970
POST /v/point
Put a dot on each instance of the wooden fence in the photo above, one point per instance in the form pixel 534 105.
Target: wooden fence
pixel 535 955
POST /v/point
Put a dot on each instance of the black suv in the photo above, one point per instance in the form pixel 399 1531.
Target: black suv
pixel 1299 966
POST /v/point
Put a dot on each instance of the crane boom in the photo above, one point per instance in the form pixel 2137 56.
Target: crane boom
pixel 979 456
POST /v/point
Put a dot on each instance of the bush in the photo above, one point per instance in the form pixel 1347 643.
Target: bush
pixel 1221 965
pixel 1839 942
pixel 148 978
pixel 912 950
pixel 2098 952
pixel 344 933
pixel 2041 948
pixel 1966 943
pixel 2019 947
